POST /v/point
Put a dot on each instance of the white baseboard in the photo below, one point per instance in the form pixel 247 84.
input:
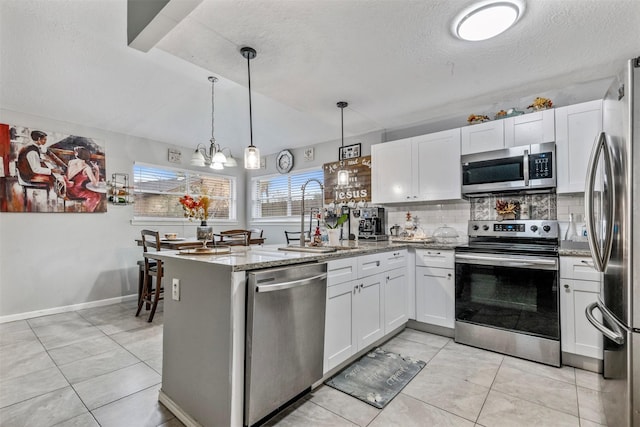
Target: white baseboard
pixel 177 410
pixel 66 308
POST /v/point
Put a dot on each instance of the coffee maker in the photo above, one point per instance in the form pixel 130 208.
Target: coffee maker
pixel 371 224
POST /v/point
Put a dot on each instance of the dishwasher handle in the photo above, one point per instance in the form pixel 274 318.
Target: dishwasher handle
pixel 291 284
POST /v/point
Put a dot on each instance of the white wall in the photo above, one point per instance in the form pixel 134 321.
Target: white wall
pixel 325 152
pixel 51 260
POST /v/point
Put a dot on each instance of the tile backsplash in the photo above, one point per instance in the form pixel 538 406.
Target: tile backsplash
pixel 532 206
pixel 457 214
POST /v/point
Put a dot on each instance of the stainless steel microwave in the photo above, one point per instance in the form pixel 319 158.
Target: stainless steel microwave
pixel 526 167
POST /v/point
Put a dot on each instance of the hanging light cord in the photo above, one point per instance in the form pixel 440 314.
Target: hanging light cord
pixel 250 115
pixel 213 81
pixel 342 124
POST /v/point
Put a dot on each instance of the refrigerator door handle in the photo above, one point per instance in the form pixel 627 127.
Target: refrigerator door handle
pixel 614 335
pixel 600 258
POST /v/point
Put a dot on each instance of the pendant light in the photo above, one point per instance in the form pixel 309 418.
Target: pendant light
pixel 343 174
pixel 251 153
pixel 214 157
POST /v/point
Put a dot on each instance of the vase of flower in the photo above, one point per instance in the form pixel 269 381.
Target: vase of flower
pixel 203 231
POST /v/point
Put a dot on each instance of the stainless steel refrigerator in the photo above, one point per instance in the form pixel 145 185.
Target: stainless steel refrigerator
pixel 612 205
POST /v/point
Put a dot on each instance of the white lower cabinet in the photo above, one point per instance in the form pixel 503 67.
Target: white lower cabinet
pixel 578 336
pixel 395 299
pixel 368 313
pixel 435 287
pixel 339 334
pixel 434 296
pixel 362 309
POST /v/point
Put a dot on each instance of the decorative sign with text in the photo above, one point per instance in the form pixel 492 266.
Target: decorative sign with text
pixel 359 187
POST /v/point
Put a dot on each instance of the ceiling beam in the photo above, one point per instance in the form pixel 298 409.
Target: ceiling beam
pixel 148 21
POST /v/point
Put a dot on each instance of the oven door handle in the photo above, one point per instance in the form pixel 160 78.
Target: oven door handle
pixel 540 263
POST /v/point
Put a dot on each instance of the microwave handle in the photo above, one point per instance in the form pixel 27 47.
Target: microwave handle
pixel 526 168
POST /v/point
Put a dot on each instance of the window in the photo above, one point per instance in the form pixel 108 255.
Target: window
pixel 157 190
pixel 280 196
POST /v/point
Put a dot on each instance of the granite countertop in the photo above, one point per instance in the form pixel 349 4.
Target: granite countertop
pixel 254 257
pixel 574 252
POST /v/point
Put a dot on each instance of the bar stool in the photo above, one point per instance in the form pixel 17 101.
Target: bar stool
pixel 150 294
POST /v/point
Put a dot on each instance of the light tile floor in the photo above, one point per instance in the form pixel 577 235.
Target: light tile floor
pixel 103 367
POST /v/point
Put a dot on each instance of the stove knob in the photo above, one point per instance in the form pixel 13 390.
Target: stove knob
pixel 485 227
pixel 534 228
pixel 475 227
pixel 546 228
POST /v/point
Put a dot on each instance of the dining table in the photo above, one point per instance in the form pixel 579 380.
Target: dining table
pixel 191 242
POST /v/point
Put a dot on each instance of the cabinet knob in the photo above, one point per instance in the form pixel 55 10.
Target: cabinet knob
pixel 566 287
pixel 449 275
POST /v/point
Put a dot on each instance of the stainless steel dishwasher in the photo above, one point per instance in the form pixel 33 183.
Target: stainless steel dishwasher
pixel 285 336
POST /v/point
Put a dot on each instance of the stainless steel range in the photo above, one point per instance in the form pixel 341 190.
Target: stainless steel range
pixel 507 289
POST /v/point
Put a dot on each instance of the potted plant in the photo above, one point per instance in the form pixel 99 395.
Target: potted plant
pixel 333 223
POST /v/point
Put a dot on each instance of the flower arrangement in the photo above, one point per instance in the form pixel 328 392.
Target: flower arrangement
pixel 195 208
pixel 476 118
pixel 541 103
pixel 504 207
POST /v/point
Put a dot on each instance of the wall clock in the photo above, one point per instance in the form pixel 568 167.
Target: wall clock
pixel 284 161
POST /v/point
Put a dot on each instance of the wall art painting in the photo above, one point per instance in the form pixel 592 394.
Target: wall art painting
pixel 357 191
pixel 48 171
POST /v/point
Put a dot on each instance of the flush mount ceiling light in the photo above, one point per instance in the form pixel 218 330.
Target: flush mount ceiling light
pixel 343 174
pixel 251 153
pixel 214 157
pixel 487 19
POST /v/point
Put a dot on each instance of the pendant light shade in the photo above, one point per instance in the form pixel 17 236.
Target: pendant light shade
pixel 251 153
pixel 343 177
pixel 343 174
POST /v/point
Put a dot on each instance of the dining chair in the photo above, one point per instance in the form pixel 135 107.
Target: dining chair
pixel 151 295
pixel 294 236
pixel 234 237
pixel 255 236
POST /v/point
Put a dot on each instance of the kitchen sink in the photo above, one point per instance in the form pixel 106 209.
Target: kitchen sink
pixel 312 249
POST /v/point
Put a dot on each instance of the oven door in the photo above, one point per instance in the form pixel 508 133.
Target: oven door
pixel 517 293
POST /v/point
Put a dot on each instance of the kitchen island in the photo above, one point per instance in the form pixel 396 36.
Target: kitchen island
pixel 204 325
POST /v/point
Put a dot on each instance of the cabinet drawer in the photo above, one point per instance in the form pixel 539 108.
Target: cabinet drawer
pixel 341 270
pixel 395 259
pixel 578 268
pixel 435 258
pixel 371 264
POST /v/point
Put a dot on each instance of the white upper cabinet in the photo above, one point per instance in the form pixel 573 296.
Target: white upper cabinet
pixel 526 129
pixel 437 158
pixel 577 127
pixel 482 137
pixel 532 128
pixel 391 175
pixel 421 168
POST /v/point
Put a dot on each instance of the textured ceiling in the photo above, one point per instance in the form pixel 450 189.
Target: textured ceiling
pixel 394 61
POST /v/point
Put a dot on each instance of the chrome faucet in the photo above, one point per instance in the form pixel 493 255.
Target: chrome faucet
pixel 304 186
